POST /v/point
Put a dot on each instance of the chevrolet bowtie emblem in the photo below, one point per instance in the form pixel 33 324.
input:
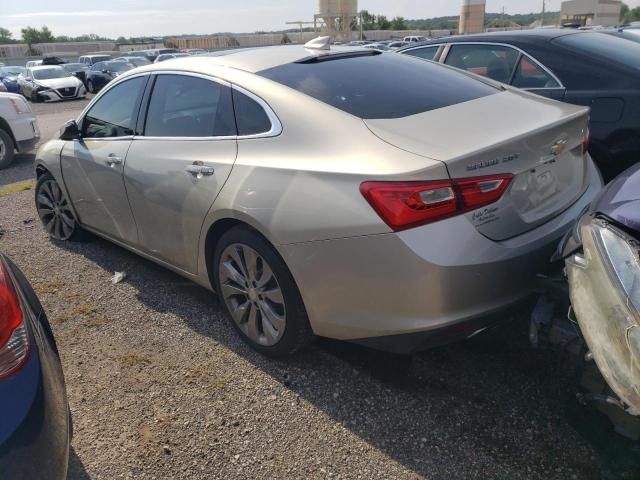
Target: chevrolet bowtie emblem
pixel 558 147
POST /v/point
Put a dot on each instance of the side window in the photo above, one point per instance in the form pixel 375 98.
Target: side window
pixel 185 106
pixel 428 53
pixel 96 67
pixel 250 116
pixel 115 114
pixel 530 75
pixel 493 61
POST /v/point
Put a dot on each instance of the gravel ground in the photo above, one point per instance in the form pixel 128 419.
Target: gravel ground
pixel 161 387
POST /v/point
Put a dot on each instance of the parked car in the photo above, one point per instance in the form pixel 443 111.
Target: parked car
pixel 53 60
pixel 78 70
pixel 102 73
pixel 50 83
pixel 280 178
pixel 35 431
pixel 135 61
pixel 415 39
pixel 195 51
pixel 9 78
pixel 378 46
pixel 90 60
pixel 397 45
pixel 18 127
pixel 583 68
pixel 163 57
pixel 603 268
pixel 33 63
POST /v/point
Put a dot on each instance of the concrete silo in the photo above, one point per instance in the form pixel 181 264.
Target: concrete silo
pixel 472 16
pixel 337 17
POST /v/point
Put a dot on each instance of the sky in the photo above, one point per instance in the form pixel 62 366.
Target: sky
pixel 114 18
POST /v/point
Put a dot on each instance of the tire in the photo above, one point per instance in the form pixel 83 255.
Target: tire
pixel 264 306
pixel 55 212
pixel 7 150
pixel 33 97
pixel 90 86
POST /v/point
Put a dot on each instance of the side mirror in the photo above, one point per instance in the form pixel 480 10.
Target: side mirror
pixel 70 131
pixel 104 70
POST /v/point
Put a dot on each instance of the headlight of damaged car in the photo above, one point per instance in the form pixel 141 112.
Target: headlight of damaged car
pixel 605 294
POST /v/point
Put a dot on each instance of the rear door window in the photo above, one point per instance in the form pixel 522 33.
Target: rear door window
pixel 250 116
pixel 186 106
pixel 494 61
pixel 428 53
pixel 381 85
pixel 530 75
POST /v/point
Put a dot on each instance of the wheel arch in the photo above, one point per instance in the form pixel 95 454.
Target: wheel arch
pixel 4 125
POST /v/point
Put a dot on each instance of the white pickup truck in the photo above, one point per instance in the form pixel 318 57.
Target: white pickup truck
pixel 19 130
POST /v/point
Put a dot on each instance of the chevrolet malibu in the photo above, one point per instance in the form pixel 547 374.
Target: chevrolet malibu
pixel 319 199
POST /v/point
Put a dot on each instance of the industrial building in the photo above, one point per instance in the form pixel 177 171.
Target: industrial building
pixel 591 12
pixel 472 16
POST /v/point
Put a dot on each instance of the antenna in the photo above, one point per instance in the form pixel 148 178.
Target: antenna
pixel 320 43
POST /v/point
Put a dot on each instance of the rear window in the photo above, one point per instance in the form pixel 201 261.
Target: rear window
pixel 380 86
pixel 605 46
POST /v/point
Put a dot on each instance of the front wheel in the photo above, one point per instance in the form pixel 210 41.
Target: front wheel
pixel 6 149
pixel 55 212
pixel 90 86
pixel 259 295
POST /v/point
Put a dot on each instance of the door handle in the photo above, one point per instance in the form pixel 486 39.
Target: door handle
pixel 200 170
pixel 113 159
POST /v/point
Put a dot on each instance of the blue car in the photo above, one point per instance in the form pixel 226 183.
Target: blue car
pixel 35 424
pixel 9 77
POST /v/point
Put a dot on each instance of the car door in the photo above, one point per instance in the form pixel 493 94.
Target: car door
pixel 92 166
pixel 176 168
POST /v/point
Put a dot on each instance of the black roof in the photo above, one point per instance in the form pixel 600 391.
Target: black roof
pixel 541 34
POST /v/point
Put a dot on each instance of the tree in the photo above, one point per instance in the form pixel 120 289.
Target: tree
pixel 383 23
pixel 368 20
pixel 398 23
pixel 5 35
pixel 632 15
pixel 624 11
pixel 32 35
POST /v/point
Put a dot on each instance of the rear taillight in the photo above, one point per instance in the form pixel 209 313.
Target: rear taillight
pixel 14 338
pixel 586 140
pixel 404 205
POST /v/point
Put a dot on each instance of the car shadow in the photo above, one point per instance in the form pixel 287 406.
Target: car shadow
pixel 20 170
pixel 489 401
pixel 76 468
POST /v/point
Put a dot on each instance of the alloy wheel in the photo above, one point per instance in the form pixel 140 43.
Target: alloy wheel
pixel 252 294
pixel 3 149
pixel 54 212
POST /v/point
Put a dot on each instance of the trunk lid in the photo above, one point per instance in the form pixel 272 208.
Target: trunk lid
pixel 537 140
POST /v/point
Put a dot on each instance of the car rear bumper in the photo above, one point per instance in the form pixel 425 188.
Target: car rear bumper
pixel 424 280
pixel 25 130
pixel 35 421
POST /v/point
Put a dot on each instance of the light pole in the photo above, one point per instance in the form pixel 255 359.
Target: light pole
pixel 543 9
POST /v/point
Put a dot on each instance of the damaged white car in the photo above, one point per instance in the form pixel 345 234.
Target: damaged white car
pixel 49 83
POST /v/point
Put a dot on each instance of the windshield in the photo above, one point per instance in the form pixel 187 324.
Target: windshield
pixel 380 85
pixel 74 67
pixel 50 73
pixel 11 72
pixel 118 66
pixel 138 61
pixel 605 46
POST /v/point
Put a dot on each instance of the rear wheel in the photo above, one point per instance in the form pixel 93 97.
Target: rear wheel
pixel 259 294
pixel 55 212
pixel 6 149
pixel 90 86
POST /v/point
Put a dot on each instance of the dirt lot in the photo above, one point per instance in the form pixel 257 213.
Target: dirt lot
pixel 161 387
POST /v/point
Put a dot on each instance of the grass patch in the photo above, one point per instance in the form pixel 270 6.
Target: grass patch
pixel 84 310
pixel 15 188
pixel 134 360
